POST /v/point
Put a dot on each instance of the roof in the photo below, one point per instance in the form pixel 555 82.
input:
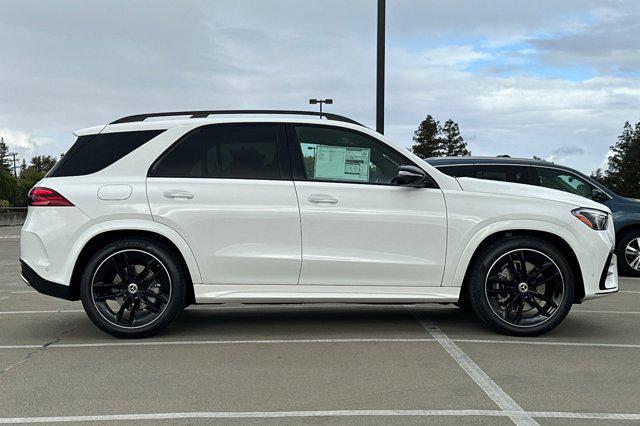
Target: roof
pixel 442 161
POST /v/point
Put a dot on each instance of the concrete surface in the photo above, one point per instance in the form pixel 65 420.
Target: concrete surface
pixel 316 364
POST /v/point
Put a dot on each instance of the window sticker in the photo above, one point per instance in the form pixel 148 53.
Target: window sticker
pixel 342 163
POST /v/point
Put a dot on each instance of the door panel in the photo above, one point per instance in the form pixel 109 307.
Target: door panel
pixel 361 234
pixel 240 231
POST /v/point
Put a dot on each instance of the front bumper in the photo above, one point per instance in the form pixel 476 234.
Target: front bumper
pixel 43 286
pixel 609 277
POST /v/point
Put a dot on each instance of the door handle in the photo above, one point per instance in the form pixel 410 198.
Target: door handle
pixel 321 198
pixel 178 194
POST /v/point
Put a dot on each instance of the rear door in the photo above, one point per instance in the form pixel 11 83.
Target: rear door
pixel 227 189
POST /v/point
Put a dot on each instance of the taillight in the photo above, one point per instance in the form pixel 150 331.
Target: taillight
pixel 41 196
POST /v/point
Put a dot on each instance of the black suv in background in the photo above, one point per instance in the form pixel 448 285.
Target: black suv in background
pixel 626 211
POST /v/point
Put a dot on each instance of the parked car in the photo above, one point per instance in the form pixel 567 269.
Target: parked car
pixel 626 211
pixel 144 217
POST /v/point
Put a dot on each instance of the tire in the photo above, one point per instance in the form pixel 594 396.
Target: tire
pixel 628 242
pixel 498 286
pixel 133 288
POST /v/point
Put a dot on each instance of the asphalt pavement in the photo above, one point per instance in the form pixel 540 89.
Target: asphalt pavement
pixel 314 364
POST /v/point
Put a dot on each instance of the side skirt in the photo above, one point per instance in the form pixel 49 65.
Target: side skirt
pixel 322 294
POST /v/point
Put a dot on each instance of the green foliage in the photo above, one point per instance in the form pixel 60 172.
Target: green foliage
pixel 5 160
pixel 8 186
pixel 623 173
pixel 4 204
pixel 433 140
pixel 43 163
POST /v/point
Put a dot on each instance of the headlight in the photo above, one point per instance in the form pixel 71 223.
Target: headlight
pixel 594 219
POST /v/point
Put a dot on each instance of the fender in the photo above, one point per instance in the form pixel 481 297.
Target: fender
pixel 136 225
pixel 454 275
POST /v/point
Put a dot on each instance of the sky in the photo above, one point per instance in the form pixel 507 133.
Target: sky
pixel 555 79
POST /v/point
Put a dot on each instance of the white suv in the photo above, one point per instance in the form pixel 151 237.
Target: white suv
pixel 144 217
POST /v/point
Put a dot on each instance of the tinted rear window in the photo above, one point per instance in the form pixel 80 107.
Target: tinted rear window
pixel 458 171
pixel 224 151
pixel 515 174
pixel 93 153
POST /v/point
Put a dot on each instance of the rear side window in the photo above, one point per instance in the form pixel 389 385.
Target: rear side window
pixel 515 174
pixel 224 151
pixel 93 153
pixel 459 171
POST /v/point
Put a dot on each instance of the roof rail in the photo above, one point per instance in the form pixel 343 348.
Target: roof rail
pixel 204 114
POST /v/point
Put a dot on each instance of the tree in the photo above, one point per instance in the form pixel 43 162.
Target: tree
pixel 43 163
pixel 432 140
pixel 5 161
pixel 8 187
pixel 454 144
pixel 623 173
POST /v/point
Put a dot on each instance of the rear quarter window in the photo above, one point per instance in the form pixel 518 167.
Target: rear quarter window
pixel 92 153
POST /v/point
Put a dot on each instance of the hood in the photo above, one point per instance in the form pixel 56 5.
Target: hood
pixel 529 191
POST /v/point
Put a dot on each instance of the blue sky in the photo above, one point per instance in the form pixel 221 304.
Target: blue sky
pixel 556 79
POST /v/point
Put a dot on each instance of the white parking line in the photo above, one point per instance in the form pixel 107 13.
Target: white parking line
pixel 491 388
pixel 9 237
pixel 60 311
pixel 586 311
pixel 320 413
pixel 628 291
pixel 214 342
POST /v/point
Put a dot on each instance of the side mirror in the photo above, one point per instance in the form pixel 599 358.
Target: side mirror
pixel 410 176
pixel 599 196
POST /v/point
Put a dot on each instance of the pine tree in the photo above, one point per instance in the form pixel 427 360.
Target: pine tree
pixel 428 139
pixel 5 161
pixel 623 173
pixel 43 163
pixel 433 140
pixel 454 144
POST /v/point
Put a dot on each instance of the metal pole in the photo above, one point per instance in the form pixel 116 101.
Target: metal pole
pixel 380 67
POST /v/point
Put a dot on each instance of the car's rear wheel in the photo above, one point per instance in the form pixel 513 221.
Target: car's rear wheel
pixel 521 286
pixel 628 252
pixel 133 288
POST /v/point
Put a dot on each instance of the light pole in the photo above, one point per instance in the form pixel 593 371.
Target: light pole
pixel 320 101
pixel 380 67
pixel 13 154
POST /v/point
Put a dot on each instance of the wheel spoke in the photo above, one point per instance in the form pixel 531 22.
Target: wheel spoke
pixel 145 270
pixel 540 309
pixel 501 290
pixel 106 285
pixel 546 299
pixel 518 317
pixel 123 307
pixel 150 305
pixel 158 296
pixel 502 281
pixel 104 297
pixel 132 312
pixel 511 305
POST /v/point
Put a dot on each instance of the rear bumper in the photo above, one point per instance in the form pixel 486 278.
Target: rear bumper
pixel 43 286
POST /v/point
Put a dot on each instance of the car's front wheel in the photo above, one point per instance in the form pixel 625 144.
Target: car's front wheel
pixel 628 252
pixel 521 286
pixel 133 287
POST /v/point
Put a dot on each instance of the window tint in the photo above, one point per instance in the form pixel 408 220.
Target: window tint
pixel 341 155
pixel 515 174
pixel 459 171
pixel 220 151
pixel 95 152
pixel 564 181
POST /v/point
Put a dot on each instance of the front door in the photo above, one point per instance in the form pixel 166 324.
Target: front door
pixel 227 190
pixel 358 227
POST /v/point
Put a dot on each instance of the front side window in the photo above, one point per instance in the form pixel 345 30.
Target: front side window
pixel 331 154
pixel 224 151
pixel 564 181
pixel 514 174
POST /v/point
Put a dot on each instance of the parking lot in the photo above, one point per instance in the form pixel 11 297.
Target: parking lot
pixel 368 364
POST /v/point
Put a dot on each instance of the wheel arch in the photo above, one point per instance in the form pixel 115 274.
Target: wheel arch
pixel 550 237
pixel 634 226
pixel 106 236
